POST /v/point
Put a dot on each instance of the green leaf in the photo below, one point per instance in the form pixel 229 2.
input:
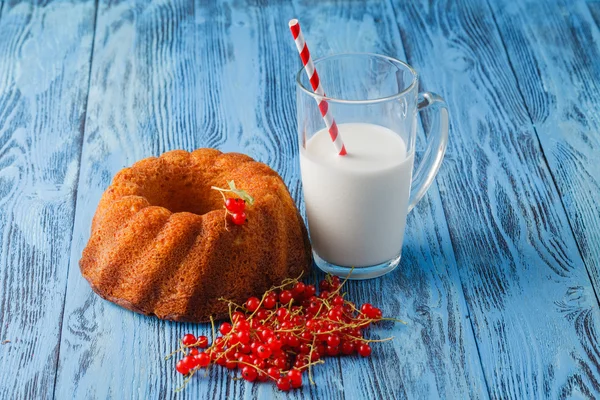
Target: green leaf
pixel 241 193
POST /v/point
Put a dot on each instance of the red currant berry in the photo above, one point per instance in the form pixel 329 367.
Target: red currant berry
pixel 203 360
pixel 333 350
pixel 376 314
pixel 354 332
pixel 237 315
pixel 252 304
pixel 282 314
pixel 270 301
pixel 364 350
pixel 244 358
pixel 259 363
pixel 182 367
pixel 231 364
pixel 243 337
pixel 335 282
pixel 295 377
pixel 314 356
pixel 321 335
pixel 324 285
pixel 262 377
pixel 266 333
pixel 312 325
pixel 286 325
pixel 261 314
pixel 274 373
pixel 263 351
pixel 238 218
pixel 274 343
pixel 310 290
pixel 280 362
pixel 249 373
pixel 190 362
pixel 244 348
pixel 221 361
pixel 194 351
pixel 366 309
pixel 225 328
pixel 333 340
pixel 298 320
pixel 300 363
pixel 298 289
pixel 324 294
pixel 335 314
pixel 283 383
pixel 188 339
pixel 338 301
pixel 304 348
pixel 202 342
pixel 321 349
pixel 292 341
pixel 285 296
pixel 242 325
pixel 233 340
pixel 255 323
pixel 235 205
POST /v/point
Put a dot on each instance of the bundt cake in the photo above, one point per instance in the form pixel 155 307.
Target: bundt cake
pixel 161 243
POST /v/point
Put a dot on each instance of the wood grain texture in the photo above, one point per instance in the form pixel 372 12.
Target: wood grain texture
pixel 552 49
pixel 531 301
pixel 170 75
pixel 143 54
pixel 145 99
pixel 44 69
pixel 498 299
pixel 434 355
pixel 594 7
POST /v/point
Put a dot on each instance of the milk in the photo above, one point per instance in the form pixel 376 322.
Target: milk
pixel 356 204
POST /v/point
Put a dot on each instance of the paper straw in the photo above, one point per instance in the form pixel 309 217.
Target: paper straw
pixel 313 77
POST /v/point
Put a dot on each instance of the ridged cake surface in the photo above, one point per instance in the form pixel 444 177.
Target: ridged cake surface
pixel 160 244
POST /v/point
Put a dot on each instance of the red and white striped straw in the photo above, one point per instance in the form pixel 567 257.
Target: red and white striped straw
pixel 313 77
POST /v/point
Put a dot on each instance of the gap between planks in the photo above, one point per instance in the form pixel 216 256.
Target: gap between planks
pixel 466 304
pixel 78 177
pixel 541 148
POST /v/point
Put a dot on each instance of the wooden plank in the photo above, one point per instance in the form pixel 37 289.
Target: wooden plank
pixel 154 89
pixel 532 304
pixel 44 70
pixel 143 54
pixel 594 7
pixel 559 83
pixel 169 76
pixel 434 355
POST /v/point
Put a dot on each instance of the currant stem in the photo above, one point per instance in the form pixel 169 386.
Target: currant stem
pixel 312 347
pixel 212 324
pixel 180 349
pixel 371 340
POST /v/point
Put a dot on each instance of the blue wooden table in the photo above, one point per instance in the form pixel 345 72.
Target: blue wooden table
pixel 500 273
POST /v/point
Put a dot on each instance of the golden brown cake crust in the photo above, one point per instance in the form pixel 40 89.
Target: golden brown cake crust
pixel 160 245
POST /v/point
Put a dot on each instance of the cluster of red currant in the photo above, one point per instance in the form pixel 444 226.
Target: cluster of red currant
pixel 283 334
pixel 235 206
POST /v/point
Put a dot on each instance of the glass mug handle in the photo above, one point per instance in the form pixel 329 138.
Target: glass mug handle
pixel 436 147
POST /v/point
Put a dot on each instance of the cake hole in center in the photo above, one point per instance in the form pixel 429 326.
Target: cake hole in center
pixel 184 194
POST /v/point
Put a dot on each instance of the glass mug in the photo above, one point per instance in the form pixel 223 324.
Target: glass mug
pixel 356 205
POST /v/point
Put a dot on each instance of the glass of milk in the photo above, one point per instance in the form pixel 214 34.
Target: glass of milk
pixel 356 205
